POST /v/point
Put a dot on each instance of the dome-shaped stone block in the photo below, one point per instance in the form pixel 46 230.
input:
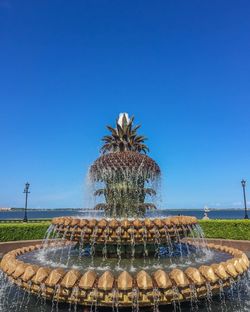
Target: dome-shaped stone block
pixel 124 281
pixel 220 271
pixel 102 223
pixel 83 223
pixel 194 276
pixel 162 280
pixel 12 264
pixel 70 279
pixel 106 281
pixel 179 278
pixel 29 272
pixel 243 264
pixel 230 269
pixel 55 277
pixel 208 273
pixel 75 222
pixel 245 259
pixel 137 223
pixel 19 270
pixel 144 280
pixel 41 275
pixel 237 267
pixel 88 279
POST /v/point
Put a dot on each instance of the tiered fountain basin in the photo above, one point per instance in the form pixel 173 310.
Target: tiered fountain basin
pixel 123 231
pixel 126 162
pixel 124 289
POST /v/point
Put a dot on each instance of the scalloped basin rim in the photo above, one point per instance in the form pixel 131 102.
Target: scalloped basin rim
pixel 123 230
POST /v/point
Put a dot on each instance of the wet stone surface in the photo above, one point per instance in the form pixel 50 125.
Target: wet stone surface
pixel 82 260
pixel 235 299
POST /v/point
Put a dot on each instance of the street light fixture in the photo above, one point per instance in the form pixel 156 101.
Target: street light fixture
pixel 26 192
pixel 243 183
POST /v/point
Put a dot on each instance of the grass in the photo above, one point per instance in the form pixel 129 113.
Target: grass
pixel 227 229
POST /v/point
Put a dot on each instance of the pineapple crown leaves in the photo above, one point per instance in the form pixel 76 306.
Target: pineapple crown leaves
pixel 124 138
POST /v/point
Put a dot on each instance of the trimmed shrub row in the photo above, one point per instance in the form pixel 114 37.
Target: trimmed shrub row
pixel 227 229
pixel 22 231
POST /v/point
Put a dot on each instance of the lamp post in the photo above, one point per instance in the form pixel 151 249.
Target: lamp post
pixel 26 192
pixel 243 183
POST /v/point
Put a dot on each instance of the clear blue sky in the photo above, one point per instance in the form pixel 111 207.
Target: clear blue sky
pixel 67 68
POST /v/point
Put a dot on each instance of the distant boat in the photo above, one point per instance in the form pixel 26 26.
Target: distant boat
pixel 206 209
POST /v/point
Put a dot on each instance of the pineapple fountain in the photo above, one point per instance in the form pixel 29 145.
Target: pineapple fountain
pixel 125 258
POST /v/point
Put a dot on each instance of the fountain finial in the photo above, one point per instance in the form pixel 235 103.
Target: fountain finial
pixel 122 117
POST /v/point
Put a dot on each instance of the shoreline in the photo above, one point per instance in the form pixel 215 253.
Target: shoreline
pixel 90 209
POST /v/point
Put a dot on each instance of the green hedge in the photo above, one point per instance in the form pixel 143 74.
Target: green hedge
pixel 228 229
pixel 22 231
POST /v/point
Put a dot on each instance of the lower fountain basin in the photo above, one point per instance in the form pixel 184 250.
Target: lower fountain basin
pixel 71 257
pixel 124 288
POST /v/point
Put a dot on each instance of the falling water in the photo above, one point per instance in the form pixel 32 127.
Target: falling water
pixel 104 250
pixel 144 238
pixel 92 243
pixel 176 300
pixel 156 297
pixel 209 296
pixel 132 243
pixel 157 242
pixel 193 298
pixel 49 233
pixel 70 246
pixel 222 296
pixel 81 244
pixel 118 247
pixel 135 300
pixel 177 234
